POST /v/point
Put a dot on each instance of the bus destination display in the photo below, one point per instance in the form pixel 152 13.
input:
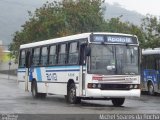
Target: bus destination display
pixel 114 39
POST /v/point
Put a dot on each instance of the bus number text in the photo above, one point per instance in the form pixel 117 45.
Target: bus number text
pixel 51 76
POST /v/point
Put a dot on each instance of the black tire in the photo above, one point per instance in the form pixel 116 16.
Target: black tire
pixel 34 90
pixel 71 95
pixel 35 93
pixel 151 89
pixel 42 95
pixel 117 102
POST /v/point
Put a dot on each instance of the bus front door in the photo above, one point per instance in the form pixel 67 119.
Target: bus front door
pixel 82 68
pixel 27 65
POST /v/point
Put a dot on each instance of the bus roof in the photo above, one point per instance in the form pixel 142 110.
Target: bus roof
pixel 66 38
pixel 151 51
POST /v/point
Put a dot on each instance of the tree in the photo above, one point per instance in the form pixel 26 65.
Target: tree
pixel 116 25
pixel 151 26
pixel 58 19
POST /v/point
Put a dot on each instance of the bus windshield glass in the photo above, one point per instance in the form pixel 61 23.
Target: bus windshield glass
pixel 114 59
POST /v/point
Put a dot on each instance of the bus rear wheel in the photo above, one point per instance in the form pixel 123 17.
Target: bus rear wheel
pixel 71 95
pixel 151 89
pixel 117 102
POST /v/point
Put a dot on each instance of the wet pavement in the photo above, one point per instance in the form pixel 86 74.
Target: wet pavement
pixel 14 100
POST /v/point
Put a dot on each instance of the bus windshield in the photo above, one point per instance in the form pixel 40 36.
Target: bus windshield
pixel 114 59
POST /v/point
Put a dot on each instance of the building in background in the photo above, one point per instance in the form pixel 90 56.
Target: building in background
pixel 6 63
pixel 1 51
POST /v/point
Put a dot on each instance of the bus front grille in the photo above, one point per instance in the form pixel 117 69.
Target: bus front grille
pixel 115 87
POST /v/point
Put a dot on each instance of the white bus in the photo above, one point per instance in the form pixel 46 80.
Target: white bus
pixel 151 71
pixel 83 66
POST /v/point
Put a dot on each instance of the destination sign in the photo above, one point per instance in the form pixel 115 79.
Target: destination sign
pixel 99 38
pixel 114 39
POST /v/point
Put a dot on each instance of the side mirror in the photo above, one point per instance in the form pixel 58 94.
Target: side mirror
pixel 88 51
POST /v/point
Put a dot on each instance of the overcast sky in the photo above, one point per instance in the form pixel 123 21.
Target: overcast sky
pixel 142 6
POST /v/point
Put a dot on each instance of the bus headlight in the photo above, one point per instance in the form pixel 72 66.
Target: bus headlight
pixel 135 86
pixel 94 86
pixel 99 85
pixel 131 86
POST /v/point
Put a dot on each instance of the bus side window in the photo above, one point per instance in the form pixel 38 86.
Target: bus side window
pixel 157 63
pixel 62 54
pixel 151 62
pixel 73 53
pixel 52 55
pixel 22 58
pixel 44 56
pixel 36 56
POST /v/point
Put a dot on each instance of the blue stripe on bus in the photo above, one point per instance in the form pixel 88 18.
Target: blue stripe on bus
pixel 63 67
pixel 55 69
pixel 39 76
pixel 73 70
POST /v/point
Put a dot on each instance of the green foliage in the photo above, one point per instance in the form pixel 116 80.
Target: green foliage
pixel 116 25
pixel 68 17
pixel 58 19
pixel 151 26
pixel 6 58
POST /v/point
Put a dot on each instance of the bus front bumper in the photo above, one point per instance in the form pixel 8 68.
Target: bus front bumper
pixel 97 93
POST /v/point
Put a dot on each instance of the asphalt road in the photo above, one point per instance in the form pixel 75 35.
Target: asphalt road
pixel 15 101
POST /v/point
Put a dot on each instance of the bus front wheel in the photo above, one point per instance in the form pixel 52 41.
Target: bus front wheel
pixel 35 93
pixel 71 95
pixel 150 88
pixel 118 101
